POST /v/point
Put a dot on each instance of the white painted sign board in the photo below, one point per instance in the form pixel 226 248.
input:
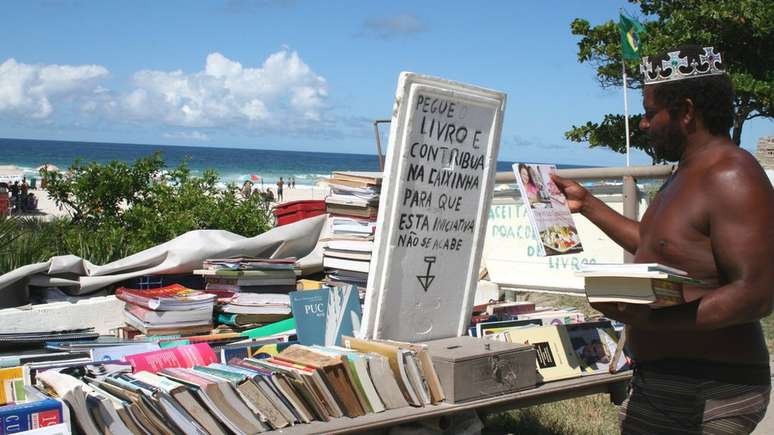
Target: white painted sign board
pixel 511 254
pixel 435 197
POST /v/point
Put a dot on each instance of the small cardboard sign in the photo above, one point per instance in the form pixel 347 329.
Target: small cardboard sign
pixel 436 191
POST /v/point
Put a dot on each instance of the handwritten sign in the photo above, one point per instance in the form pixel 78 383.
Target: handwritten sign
pixel 435 198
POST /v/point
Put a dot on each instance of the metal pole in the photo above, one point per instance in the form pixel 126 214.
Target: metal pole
pixel 630 206
pixel 379 142
pixel 626 110
pixel 658 171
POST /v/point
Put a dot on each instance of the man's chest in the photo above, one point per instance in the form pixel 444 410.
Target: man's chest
pixel 675 225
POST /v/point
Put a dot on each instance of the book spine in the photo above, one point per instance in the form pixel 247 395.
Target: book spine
pixel 29 416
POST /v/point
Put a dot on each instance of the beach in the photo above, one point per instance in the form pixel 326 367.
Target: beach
pixel 47 208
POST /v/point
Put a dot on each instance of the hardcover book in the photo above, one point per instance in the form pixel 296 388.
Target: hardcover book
pixel 547 210
pixel 595 344
pixel 652 284
pixel 556 358
pixel 323 316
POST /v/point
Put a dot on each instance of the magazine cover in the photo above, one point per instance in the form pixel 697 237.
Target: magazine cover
pixel 595 344
pixel 547 210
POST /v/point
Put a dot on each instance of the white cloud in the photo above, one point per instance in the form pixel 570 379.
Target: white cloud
pixel 36 90
pixel 187 135
pixel 284 90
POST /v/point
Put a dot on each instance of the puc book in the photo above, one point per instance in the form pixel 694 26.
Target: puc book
pixel 638 283
pixel 547 210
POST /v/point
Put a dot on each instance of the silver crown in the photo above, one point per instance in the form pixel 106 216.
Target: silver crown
pixel 678 68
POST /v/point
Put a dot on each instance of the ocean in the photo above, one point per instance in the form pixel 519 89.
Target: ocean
pixel 232 164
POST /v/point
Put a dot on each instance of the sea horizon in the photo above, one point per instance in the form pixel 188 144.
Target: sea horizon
pixel 232 163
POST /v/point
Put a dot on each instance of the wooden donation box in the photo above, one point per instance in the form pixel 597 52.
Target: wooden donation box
pixel 471 368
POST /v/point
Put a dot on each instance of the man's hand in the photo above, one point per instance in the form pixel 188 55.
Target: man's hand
pixel 575 193
pixel 630 314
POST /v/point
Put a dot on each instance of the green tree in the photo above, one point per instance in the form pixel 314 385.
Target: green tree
pixel 743 30
pixel 140 205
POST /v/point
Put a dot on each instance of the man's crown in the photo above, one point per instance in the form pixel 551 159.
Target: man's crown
pixel 686 63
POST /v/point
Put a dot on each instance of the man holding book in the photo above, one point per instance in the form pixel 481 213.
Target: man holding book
pixel 702 366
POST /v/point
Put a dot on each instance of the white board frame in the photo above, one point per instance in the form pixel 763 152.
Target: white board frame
pixel 382 299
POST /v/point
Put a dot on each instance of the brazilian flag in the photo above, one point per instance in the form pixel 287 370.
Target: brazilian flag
pixel 631 30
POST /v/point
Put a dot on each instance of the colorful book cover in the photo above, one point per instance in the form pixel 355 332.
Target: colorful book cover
pixel 555 357
pixel 547 210
pixel 174 296
pixel 28 416
pixel 595 344
pixel 177 357
pixel 12 388
pixel 323 316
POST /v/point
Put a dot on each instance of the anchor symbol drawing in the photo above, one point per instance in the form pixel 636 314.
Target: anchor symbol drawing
pixel 427 279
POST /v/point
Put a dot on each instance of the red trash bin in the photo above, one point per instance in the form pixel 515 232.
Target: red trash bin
pixel 5 203
pixel 293 211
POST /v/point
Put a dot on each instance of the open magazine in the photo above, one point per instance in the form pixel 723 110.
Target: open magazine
pixel 547 210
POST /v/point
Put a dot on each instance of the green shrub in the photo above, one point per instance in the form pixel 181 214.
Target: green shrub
pixel 118 209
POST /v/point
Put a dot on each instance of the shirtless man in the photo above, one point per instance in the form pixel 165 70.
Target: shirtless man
pixel 700 367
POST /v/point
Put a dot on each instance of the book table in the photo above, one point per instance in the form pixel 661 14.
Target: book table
pixel 613 384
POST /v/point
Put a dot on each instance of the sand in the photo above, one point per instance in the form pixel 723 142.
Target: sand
pixel 47 208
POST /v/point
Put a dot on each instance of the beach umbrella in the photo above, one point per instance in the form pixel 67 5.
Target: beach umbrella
pixel 48 167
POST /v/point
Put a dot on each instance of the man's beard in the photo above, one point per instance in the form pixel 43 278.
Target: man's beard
pixel 669 143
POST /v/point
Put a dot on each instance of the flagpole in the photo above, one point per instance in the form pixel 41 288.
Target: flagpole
pixel 626 110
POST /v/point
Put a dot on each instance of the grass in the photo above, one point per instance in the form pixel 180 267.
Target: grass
pixel 582 416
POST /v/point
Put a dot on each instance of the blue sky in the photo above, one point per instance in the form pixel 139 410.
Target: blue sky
pixel 296 75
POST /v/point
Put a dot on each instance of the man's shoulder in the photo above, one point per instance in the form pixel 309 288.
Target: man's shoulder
pixel 732 160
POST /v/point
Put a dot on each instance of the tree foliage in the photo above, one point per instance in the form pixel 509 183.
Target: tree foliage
pixel 119 208
pixel 742 30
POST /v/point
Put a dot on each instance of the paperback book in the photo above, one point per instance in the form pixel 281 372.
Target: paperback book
pixel 547 210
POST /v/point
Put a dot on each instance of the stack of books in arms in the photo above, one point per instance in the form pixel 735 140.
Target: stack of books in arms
pixel 249 275
pixel 636 283
pixel 353 206
pixel 170 310
pixel 189 390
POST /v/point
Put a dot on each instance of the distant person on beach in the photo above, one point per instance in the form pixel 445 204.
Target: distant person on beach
pixel 292 182
pixel 247 189
pixel 280 183
pixel 15 198
pixel 703 366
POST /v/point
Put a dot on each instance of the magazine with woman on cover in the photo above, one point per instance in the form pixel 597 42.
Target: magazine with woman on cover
pixel 547 210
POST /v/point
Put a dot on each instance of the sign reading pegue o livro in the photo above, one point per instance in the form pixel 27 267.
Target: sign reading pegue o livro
pixel 436 192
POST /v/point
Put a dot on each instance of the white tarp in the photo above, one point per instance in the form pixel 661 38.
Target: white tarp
pixel 177 256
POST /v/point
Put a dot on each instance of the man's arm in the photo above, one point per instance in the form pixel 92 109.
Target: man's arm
pixel 624 231
pixel 740 203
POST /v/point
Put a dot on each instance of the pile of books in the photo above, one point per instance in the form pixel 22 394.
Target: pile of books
pixel 170 310
pixel 249 310
pixel 347 251
pixel 249 275
pixel 354 194
pixel 190 389
pixel 636 283
pixel 353 206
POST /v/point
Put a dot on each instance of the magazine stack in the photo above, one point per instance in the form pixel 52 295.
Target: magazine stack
pixel 170 310
pixel 353 207
pixel 249 275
